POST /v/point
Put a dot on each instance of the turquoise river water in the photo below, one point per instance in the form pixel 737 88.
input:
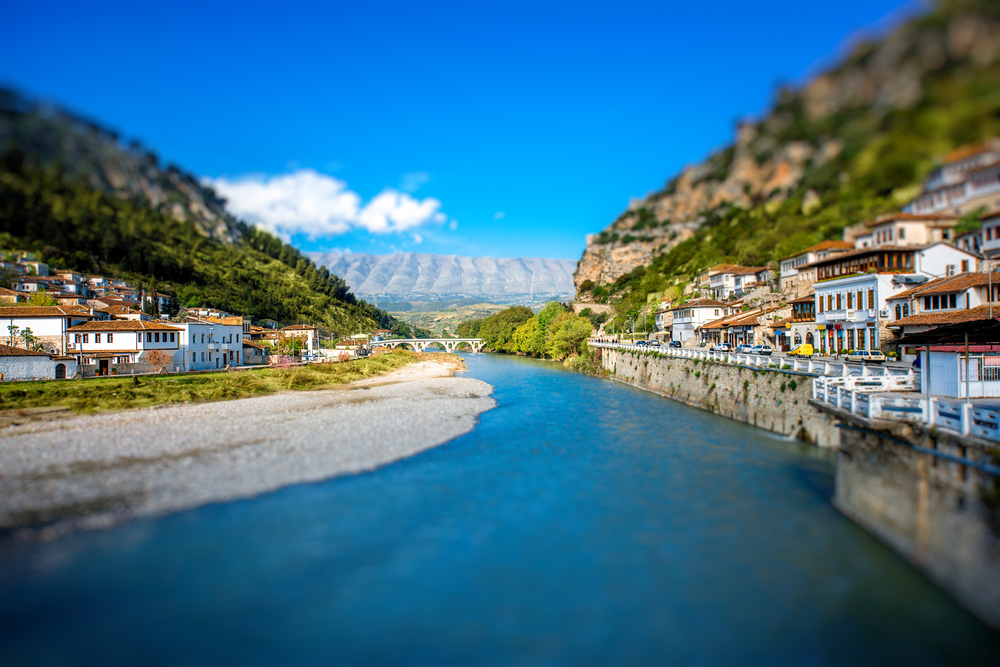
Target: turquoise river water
pixel 581 522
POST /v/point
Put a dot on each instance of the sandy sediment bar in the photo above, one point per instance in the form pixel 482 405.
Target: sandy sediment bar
pixel 95 471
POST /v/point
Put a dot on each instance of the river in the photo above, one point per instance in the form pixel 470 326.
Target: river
pixel 581 522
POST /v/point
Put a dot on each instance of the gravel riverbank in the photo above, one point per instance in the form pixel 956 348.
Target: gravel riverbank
pixel 95 471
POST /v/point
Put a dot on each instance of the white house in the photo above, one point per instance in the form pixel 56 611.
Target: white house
pixel 853 290
pixel 689 317
pixel 302 331
pixel 907 229
pixel 207 344
pixel 945 371
pixel 18 364
pixel 120 346
pixel 968 179
pixel 48 324
pixel 792 279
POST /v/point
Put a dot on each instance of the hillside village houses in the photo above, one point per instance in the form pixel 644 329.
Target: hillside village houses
pixel 689 318
pixel 968 178
pixel 797 273
pixel 853 290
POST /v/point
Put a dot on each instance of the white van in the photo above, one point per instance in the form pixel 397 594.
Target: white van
pixel 866 357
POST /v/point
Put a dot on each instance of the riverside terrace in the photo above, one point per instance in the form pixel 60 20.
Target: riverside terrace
pixel 882 392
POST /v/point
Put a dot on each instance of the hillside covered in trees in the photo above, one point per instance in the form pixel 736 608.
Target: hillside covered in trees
pixel 62 207
pixel 851 144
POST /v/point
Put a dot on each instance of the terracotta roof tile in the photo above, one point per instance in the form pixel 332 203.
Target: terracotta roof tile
pixel 44 311
pixel 124 325
pixel 825 245
pixel 945 317
pixel 8 351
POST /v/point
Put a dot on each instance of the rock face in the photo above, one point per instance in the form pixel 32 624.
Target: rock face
pixel 54 137
pixel 408 275
pixel 769 159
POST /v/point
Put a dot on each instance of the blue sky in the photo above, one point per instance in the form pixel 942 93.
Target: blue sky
pixel 476 128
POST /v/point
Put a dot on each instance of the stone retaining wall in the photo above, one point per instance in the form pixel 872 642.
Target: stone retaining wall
pixel 940 515
pixel 766 398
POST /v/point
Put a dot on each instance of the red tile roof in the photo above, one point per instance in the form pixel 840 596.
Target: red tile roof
pixel 44 311
pixel 945 317
pixel 825 245
pixel 8 351
pixel 124 325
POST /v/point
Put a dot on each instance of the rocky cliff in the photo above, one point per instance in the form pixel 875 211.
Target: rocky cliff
pixel 408 275
pixel 816 137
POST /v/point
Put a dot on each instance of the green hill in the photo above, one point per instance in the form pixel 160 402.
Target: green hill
pixel 85 203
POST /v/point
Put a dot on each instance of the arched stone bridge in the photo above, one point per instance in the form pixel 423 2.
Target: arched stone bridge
pixel 421 344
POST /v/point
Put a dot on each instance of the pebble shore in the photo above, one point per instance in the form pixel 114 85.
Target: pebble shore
pixel 90 472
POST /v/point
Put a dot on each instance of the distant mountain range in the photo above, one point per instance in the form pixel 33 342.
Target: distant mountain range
pixel 412 276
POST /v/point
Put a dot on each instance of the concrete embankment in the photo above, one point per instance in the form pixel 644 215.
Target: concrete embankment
pixel 95 471
pixel 931 496
pixel 766 398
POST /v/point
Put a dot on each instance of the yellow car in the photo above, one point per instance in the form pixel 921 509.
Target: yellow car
pixel 805 350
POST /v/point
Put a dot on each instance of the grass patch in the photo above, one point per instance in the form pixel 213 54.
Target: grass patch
pixel 122 393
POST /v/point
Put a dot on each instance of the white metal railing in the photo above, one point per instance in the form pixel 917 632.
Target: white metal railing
pixel 811 366
pixel 949 414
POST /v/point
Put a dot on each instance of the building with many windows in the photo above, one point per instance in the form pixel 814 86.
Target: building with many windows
pixel 210 343
pixel 689 318
pixel 123 346
pixel 797 273
pixel 854 288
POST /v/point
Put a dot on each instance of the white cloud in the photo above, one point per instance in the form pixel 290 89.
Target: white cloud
pixel 453 225
pixel 308 202
pixel 418 239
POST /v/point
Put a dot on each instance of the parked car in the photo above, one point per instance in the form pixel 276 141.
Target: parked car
pixel 654 343
pixel 765 350
pixel 675 343
pixel 866 356
pixel 804 350
pixel 744 348
pixel 722 347
pixel 641 342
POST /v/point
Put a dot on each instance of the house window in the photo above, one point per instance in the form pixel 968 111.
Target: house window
pixel 871 298
pixel 76 338
pixel 936 302
pixel 149 337
pixel 171 338
pixel 902 233
pixel 203 356
pixel 838 300
pixel 850 299
pixel 86 338
pixel 872 344
pixel 829 302
pixel 906 310
pixel 97 338
pixel 899 312
pixel 194 357
pixel 109 338
pixel 203 338
pixel 716 312
pixel 819 305
pixel 194 339
pixel 953 301
pixel 965 266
